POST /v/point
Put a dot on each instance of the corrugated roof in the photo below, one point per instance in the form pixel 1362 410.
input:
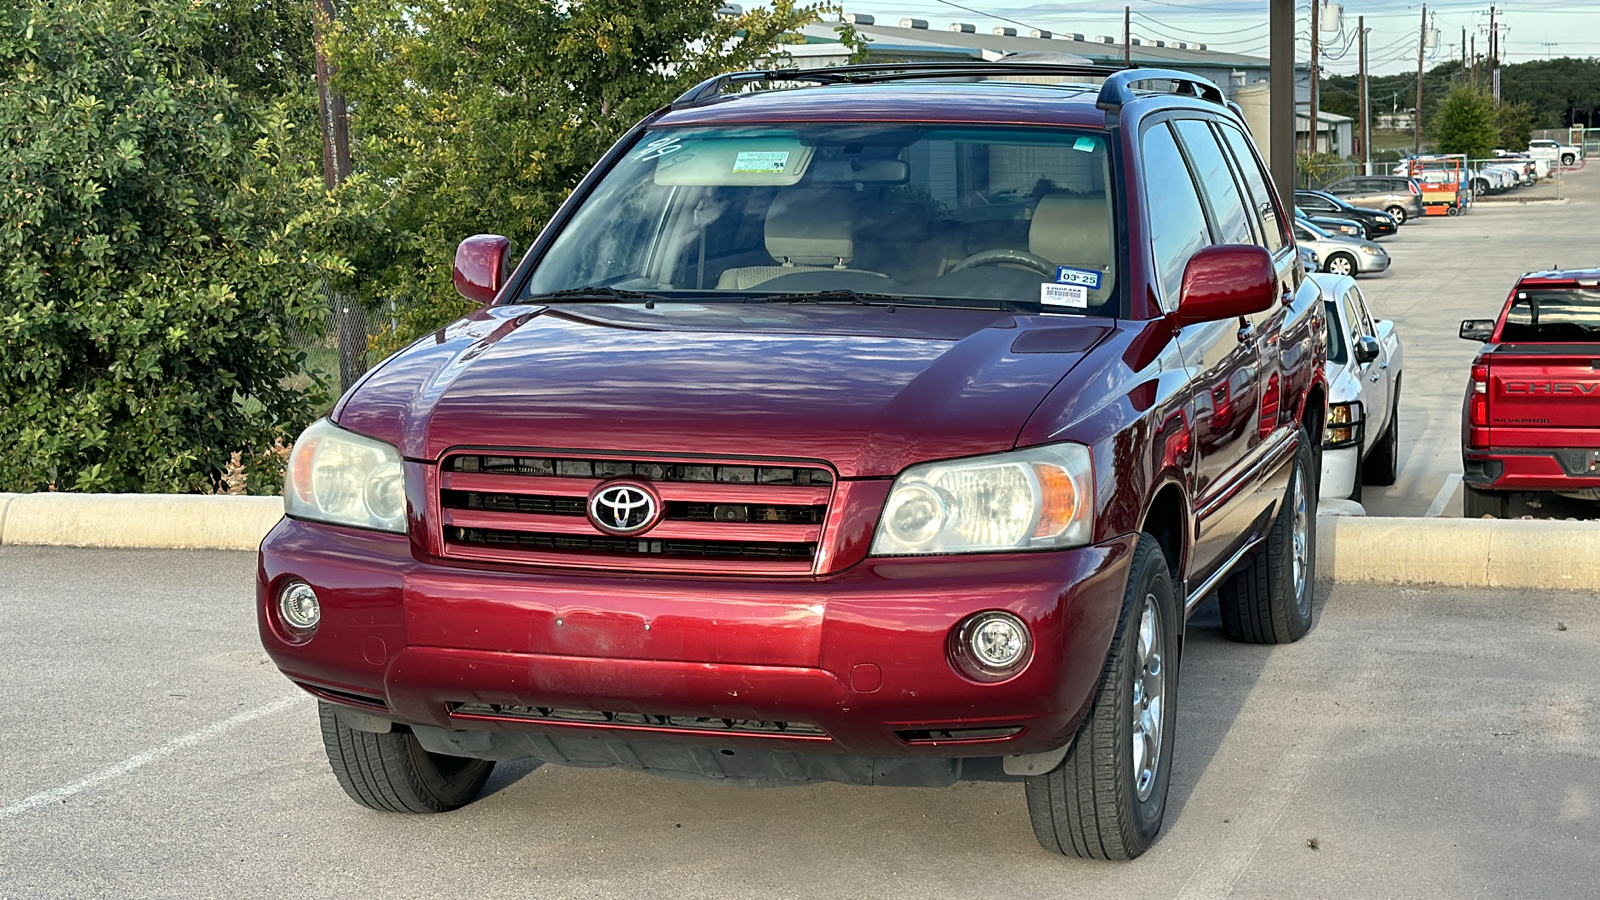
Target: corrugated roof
pixel 885 36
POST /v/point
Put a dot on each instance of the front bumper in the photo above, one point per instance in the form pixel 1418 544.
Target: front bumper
pixel 861 657
pixel 1368 263
pixel 1340 469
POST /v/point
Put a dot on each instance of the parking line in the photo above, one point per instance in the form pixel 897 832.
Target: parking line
pixel 1436 509
pixel 55 795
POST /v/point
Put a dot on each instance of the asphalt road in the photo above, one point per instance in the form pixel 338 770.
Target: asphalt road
pixel 1449 269
pixel 1431 742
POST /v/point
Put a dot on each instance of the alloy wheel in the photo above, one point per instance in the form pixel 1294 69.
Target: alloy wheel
pixel 1149 694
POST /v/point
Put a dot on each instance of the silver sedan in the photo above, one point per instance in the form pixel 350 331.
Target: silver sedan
pixel 1341 255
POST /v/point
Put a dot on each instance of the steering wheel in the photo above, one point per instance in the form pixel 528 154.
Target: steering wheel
pixel 1007 255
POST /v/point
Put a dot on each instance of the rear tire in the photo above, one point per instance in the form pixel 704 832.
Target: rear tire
pixel 1475 504
pixel 1399 213
pixel 1383 464
pixel 1268 600
pixel 1107 798
pixel 393 773
pixel 1568 159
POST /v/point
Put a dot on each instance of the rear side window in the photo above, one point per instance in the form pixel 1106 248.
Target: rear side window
pixel 1228 213
pixel 1261 197
pixel 1553 316
pixel 1177 221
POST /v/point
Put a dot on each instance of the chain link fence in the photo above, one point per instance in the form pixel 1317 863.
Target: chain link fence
pixel 339 354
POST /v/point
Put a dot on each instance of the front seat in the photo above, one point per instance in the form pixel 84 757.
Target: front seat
pixel 806 230
pixel 1075 230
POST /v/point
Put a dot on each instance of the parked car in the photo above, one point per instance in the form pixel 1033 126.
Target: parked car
pixel 1400 197
pixel 1529 415
pixel 1308 258
pixel 1489 179
pixel 1341 255
pixel 841 433
pixel 1555 151
pixel 1533 169
pixel 1365 358
pixel 1338 225
pixel 1376 224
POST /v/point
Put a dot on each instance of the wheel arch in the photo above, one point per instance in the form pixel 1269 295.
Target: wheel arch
pixel 1166 519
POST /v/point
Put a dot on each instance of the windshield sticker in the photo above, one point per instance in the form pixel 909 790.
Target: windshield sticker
pixel 660 147
pixel 1086 144
pixel 1072 295
pixel 1088 278
pixel 761 162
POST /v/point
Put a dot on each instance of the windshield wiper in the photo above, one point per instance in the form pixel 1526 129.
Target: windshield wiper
pixel 857 298
pixel 595 294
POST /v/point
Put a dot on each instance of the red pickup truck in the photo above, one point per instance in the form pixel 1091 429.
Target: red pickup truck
pixel 853 432
pixel 1531 418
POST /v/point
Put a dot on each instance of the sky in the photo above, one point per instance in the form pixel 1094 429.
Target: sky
pixel 1530 29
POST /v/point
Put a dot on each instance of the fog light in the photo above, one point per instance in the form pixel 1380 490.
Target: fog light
pixel 299 609
pixel 992 645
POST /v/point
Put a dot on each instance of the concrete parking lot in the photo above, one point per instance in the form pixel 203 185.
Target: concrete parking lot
pixel 1421 742
pixel 1449 269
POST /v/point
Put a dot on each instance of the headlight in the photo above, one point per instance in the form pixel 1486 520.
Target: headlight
pixel 342 478
pixel 1350 230
pixel 1027 499
pixel 1370 251
pixel 1344 425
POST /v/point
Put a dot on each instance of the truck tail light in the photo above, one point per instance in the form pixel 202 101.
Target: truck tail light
pixel 1479 416
pixel 1415 188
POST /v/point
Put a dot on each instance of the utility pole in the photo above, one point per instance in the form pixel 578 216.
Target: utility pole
pixel 1311 120
pixel 1280 132
pixel 1366 111
pixel 1463 49
pixel 1494 56
pixel 349 325
pixel 1127 35
pixel 1416 116
pixel 1474 57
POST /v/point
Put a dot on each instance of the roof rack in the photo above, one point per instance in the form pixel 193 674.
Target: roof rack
pixel 1117 89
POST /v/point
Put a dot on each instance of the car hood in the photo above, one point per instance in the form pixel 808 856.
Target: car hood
pixel 867 389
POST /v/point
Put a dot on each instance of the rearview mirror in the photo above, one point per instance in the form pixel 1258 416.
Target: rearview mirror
pixel 1477 329
pixel 1224 281
pixel 483 262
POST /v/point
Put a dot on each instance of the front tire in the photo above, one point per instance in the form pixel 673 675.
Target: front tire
pixel 1340 264
pixel 393 773
pixel 1475 504
pixel 1399 213
pixel 1268 600
pixel 1107 798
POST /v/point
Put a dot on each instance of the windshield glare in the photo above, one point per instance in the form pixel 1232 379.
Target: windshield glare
pixel 944 213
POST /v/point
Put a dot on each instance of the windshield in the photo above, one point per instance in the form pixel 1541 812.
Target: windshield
pixel 1313 232
pixel 1553 316
pixel 945 214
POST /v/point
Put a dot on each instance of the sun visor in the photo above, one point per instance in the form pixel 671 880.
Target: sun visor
pixel 771 161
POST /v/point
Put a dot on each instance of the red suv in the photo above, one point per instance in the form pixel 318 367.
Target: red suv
pixel 848 432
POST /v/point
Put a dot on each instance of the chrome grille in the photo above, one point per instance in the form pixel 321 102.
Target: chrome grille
pixel 719 516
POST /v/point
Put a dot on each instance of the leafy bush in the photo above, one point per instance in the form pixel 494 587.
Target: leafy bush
pixel 1465 122
pixel 152 264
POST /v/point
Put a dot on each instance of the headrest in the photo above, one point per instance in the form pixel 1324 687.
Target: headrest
pixel 1073 229
pixel 809 227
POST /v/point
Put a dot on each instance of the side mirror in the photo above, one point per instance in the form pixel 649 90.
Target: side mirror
pixel 1477 330
pixel 483 262
pixel 1225 281
pixel 1366 349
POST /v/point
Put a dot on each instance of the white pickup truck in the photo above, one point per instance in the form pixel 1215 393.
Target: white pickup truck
pixel 1555 151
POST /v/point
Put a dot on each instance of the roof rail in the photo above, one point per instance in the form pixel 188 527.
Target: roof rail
pixel 713 87
pixel 1118 88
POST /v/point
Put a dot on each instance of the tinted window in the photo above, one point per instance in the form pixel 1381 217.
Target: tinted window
pixel 1336 344
pixel 1177 222
pixel 1250 167
pixel 1228 213
pixel 1562 316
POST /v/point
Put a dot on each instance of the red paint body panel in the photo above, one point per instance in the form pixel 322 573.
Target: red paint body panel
pixel 740 648
pixel 1540 398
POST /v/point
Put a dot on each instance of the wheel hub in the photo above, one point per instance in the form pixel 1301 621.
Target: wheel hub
pixel 1301 541
pixel 1149 697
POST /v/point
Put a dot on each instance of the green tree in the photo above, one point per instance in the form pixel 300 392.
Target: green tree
pixel 1465 122
pixel 481 115
pixel 154 232
pixel 1513 122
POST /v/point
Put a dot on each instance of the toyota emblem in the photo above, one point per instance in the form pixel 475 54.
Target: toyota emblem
pixel 624 508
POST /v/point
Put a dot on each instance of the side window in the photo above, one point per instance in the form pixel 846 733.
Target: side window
pixel 1367 323
pixel 1228 213
pixel 1244 154
pixel 1176 220
pixel 1352 318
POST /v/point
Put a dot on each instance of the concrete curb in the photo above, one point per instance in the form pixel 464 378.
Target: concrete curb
pixel 150 521
pixel 1502 553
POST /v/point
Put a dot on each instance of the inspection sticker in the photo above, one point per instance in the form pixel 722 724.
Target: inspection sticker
pixel 1073 295
pixel 761 162
pixel 1086 144
pixel 1089 278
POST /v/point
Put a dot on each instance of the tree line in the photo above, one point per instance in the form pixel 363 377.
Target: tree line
pixel 165 232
